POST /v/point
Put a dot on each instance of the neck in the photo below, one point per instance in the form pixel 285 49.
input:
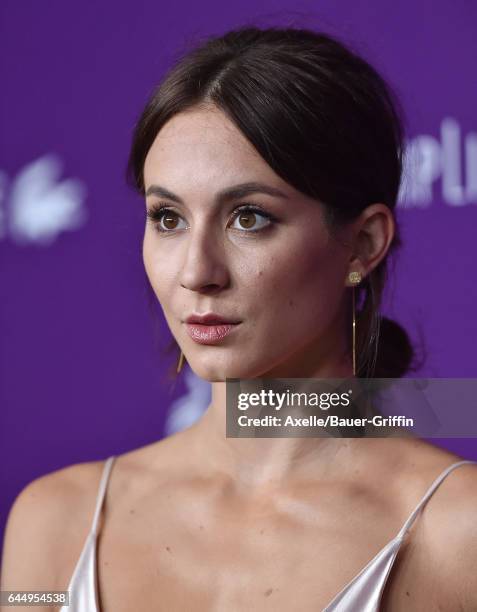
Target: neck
pixel 261 463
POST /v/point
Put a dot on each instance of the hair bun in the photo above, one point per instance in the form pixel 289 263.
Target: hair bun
pixel 395 353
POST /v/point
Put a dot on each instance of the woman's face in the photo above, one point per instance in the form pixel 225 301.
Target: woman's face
pixel 278 272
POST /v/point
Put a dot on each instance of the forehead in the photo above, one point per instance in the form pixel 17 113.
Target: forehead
pixel 203 145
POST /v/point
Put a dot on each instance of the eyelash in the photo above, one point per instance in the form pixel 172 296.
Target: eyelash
pixel 157 211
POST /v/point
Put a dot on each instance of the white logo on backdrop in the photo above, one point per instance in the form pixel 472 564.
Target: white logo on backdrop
pixel 40 206
pixel 187 409
pixel 3 188
pixel 452 159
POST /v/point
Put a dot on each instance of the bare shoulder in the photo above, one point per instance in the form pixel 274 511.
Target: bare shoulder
pixel 456 495
pixel 455 526
pixel 444 541
pixel 47 525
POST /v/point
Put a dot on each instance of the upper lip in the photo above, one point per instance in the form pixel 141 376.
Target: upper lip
pixel 209 318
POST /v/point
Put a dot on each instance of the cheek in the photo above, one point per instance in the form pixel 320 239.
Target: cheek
pixel 158 270
pixel 301 288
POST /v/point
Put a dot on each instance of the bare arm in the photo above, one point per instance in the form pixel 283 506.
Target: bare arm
pixel 456 539
pixel 468 576
pixel 46 529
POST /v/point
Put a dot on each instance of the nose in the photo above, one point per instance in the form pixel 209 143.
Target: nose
pixel 204 267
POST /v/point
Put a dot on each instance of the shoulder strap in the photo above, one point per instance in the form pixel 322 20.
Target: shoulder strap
pixel 103 484
pixel 428 494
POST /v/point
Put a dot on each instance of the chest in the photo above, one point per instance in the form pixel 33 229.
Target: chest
pixel 213 553
pixel 221 562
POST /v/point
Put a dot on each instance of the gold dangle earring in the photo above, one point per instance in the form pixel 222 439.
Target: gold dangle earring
pixel 181 361
pixel 355 278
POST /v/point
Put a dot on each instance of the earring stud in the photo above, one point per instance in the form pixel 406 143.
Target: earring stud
pixel 355 277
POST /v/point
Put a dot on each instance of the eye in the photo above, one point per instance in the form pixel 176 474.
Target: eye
pixel 247 217
pixel 160 214
pixel 250 218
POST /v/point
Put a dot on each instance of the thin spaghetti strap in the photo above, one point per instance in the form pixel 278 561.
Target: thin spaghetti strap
pixel 428 494
pixel 101 491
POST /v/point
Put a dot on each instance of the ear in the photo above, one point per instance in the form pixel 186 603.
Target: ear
pixel 371 236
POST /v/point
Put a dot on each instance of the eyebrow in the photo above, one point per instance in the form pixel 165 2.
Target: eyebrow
pixel 225 195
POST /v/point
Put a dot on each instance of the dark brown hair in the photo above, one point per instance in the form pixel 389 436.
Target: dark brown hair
pixel 324 120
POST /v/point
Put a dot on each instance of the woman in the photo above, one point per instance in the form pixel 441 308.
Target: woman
pixel 270 162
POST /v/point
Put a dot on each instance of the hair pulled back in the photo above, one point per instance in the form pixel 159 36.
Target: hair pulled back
pixel 324 120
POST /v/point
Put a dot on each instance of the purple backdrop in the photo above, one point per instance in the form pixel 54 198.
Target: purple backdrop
pixel 80 368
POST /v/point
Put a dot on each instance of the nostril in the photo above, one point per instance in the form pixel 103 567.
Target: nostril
pixel 211 287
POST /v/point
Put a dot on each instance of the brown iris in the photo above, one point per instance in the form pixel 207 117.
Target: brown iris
pixel 249 218
pixel 170 218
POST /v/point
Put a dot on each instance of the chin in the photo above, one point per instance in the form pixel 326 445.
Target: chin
pixel 219 372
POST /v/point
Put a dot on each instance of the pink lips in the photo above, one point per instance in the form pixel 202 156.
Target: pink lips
pixel 208 334
pixel 209 328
